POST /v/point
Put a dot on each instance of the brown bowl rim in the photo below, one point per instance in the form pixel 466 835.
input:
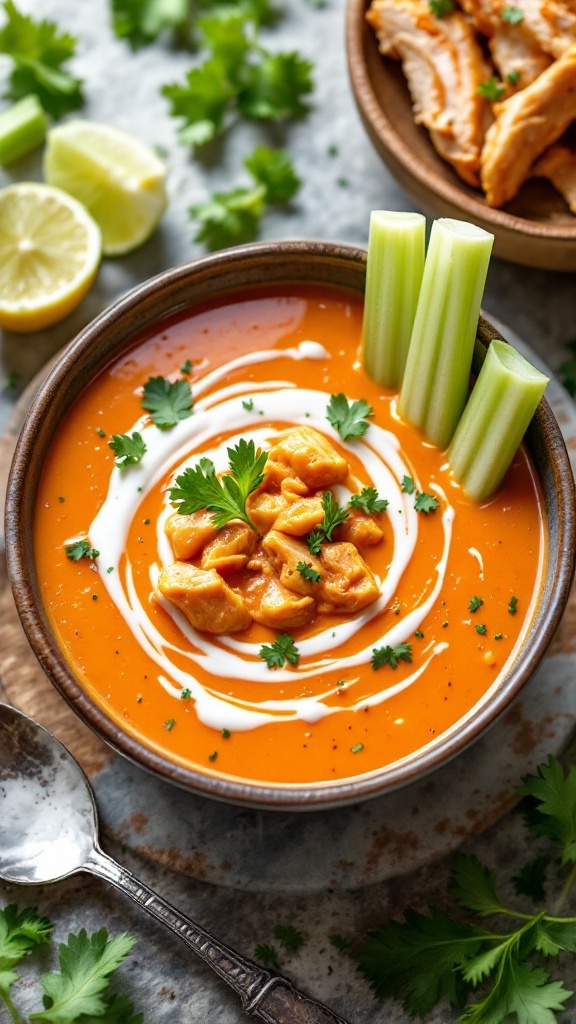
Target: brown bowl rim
pixel 386 140
pixel 317 262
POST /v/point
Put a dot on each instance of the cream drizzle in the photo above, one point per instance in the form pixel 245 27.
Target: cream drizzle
pixel 222 411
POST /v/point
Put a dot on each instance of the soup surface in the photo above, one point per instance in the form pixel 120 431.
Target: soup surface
pixel 457 584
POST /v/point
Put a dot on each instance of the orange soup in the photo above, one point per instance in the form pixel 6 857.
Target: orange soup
pixel 456 584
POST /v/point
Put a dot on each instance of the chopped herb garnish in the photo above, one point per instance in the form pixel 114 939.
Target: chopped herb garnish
pixel 348 420
pixel 333 516
pixel 332 149
pixel 408 485
pixel 357 748
pixel 342 182
pixel 80 549
pixel 492 90
pixel 475 603
pixel 200 488
pixel 341 682
pixel 141 22
pixel 426 502
pixel 169 724
pixel 60 498
pixel 128 449
pixel 419 634
pixel 445 624
pixel 94 597
pixel 513 77
pixel 368 501
pixel 100 432
pixel 167 401
pixel 441 7
pixel 186 367
pixel 513 605
pixel 283 649
pixel 498 636
pixel 307 572
pixel 186 693
pixel 110 569
pixel 391 655
pixel 213 755
pixel 513 15
pixel 289 936
pixel 481 628
pixel 340 943
pixel 249 405
pixel 266 954
pixel 225 734
pixel 12 380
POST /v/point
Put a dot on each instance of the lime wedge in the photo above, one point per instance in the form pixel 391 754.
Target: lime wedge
pixel 116 177
pixel 50 251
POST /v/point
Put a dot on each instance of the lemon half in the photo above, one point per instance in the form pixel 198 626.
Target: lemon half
pixel 118 179
pixel 50 250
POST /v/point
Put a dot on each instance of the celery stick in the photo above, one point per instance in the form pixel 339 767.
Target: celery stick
pixel 393 277
pixel 22 127
pixel 492 426
pixel 435 386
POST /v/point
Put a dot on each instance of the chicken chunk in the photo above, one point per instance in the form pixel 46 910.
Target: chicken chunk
pixel 526 124
pixel 444 66
pixel 264 509
pixel 189 534
pixel 347 584
pixel 558 165
pixel 301 516
pixel 311 456
pixel 286 553
pixel 271 603
pixel 359 529
pixel 208 603
pixel 231 549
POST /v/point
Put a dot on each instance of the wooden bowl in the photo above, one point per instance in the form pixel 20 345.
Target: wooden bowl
pixel 151 302
pixel 536 229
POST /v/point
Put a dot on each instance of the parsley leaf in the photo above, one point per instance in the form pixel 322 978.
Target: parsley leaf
pixel 266 954
pixel 80 549
pixel 481 628
pixel 307 572
pixel 513 605
pixel 273 89
pixel 348 420
pixel 85 965
pixel 408 486
pixel 19 934
pixel 167 402
pixel 202 101
pixel 142 21
pixel 200 488
pixel 368 501
pixel 531 879
pixel 283 649
pixel 128 449
pixel 391 655
pixel 513 77
pixel 38 51
pixel 289 936
pixel 426 502
pixel 441 7
pixel 475 603
pixel 554 795
pixel 492 89
pixel 333 516
pixel 513 15
pixel 232 217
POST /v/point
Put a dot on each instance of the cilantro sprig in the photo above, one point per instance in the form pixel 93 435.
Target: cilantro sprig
pixel 334 516
pixel 493 974
pixel 79 991
pixel 368 501
pixel 128 449
pixel 391 655
pixel 199 487
pixel 140 22
pixel 231 217
pixel 80 549
pixel 307 572
pixel 167 401
pixel 282 650
pixel 423 502
pixel 350 420
pixel 38 50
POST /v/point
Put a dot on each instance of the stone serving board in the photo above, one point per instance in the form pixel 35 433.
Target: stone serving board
pixel 267 851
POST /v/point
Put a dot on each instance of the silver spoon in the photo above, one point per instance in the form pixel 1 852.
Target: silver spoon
pixel 49 830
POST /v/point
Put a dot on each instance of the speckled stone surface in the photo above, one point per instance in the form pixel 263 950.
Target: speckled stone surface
pixel 337 195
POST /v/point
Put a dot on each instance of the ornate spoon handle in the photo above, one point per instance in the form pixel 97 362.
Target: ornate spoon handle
pixel 267 996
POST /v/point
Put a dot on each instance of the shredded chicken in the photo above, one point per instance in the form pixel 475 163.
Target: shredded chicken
pixel 517 54
pixel 444 66
pixel 551 24
pixel 526 124
pixel 558 165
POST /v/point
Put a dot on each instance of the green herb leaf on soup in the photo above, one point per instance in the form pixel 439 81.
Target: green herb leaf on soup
pixel 475 603
pixel 307 572
pixel 282 650
pixel 167 401
pixel 408 486
pixel 199 487
pixel 391 655
pixel 426 502
pixel 128 449
pixel 80 549
pixel 350 420
pixel 368 501
pixel 334 516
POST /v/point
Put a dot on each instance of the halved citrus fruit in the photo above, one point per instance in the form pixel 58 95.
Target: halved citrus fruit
pixel 50 250
pixel 118 178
